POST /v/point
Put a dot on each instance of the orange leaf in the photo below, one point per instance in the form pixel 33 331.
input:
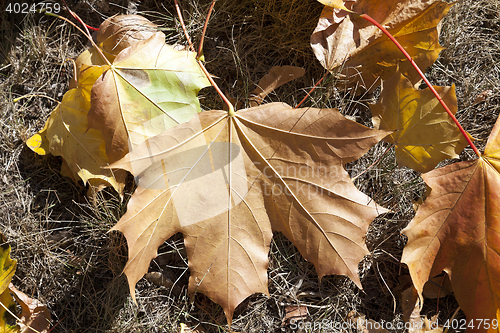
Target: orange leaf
pixel 457 230
pixel 364 54
pixel 226 182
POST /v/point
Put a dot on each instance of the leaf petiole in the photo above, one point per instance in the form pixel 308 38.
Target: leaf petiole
pixel 198 58
pixel 83 32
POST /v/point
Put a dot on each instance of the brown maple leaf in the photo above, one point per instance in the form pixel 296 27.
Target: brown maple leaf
pixel 364 54
pixel 457 230
pixel 227 182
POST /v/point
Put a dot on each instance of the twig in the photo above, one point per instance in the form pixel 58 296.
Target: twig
pixel 230 106
pixel 224 98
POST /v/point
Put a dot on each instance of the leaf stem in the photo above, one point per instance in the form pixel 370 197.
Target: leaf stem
pixel 76 17
pixel 87 34
pixel 310 91
pixel 224 98
pixel 200 49
pixel 391 37
pixel 179 14
pixel 230 106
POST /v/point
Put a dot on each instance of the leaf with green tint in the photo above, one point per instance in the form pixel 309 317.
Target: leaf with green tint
pixel 149 87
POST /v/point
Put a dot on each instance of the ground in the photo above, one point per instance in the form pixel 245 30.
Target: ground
pixel 67 258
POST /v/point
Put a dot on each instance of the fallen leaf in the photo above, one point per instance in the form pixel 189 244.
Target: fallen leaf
pixel 437 287
pixel 276 77
pixel 66 134
pixel 339 4
pixel 483 96
pixel 7 269
pixel 35 316
pixel 226 182
pixel 7 265
pixel 121 31
pixel 456 231
pixel 424 134
pixel 295 312
pixel 362 53
pixel 185 328
pixel 149 88
pixel 409 304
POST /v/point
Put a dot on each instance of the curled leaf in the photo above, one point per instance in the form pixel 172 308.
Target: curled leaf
pixel 363 54
pixel 276 77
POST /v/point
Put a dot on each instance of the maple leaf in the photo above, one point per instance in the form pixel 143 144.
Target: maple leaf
pixel 456 230
pixel 226 182
pixel 35 317
pixel 424 133
pixel 365 54
pixel 149 87
pixel 66 134
pixel 7 270
pixel 119 32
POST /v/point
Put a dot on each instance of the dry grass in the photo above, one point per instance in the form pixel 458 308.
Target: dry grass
pixel 67 259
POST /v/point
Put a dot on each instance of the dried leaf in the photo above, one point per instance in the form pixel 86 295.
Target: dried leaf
pixel 295 312
pixel 35 316
pixel 339 4
pixel 149 87
pixel 456 231
pixel 66 134
pixel 347 42
pixel 439 286
pixel 7 269
pixel 119 32
pixel 226 182
pixel 7 265
pixel 483 96
pixel 424 133
pixel 276 77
